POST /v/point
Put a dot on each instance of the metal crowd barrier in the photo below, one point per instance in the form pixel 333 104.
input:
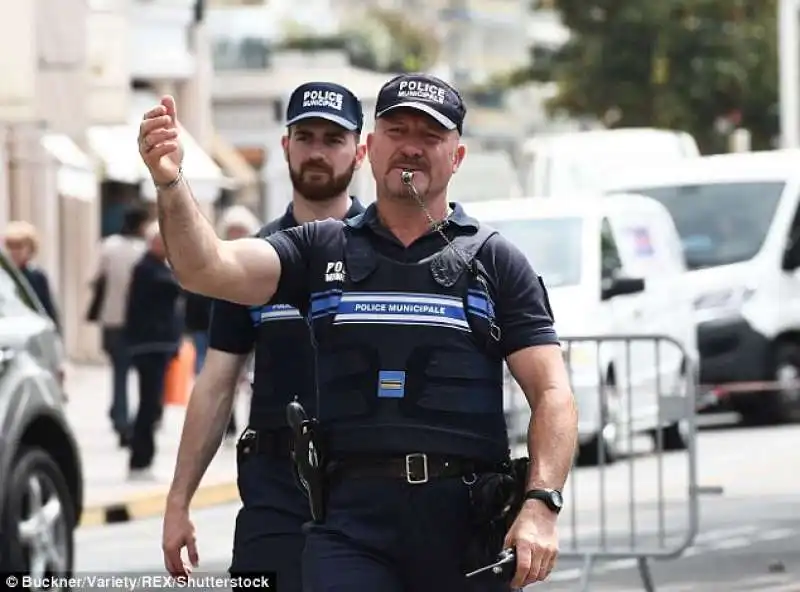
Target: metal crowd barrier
pixel 638 498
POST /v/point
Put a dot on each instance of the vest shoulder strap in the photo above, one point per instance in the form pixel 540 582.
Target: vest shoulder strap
pixel 359 255
pixel 451 262
pixel 447 265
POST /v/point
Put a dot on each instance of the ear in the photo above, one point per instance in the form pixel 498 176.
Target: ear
pixel 458 157
pixel 370 144
pixel 285 146
pixel 361 153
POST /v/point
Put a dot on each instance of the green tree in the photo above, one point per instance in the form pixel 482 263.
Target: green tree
pixel 381 40
pixel 388 41
pixel 681 64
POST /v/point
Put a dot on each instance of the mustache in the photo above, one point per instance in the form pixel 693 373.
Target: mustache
pixel 414 165
pixel 316 166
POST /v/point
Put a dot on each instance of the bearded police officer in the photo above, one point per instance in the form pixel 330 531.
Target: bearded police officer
pixel 322 148
pixel 414 305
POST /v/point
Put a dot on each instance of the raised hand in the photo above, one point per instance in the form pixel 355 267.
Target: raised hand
pixel 159 144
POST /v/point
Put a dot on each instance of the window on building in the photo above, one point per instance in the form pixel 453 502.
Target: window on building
pixel 248 53
pixel 114 200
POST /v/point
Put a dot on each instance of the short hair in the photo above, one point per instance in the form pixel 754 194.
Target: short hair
pixel 135 215
pixel 237 216
pixel 23 232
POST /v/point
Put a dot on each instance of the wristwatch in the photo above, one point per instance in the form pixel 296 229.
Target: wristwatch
pixel 552 498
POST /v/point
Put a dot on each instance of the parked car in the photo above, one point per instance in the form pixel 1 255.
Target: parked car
pixel 41 479
pixel 614 271
pixel 568 163
pixel 738 216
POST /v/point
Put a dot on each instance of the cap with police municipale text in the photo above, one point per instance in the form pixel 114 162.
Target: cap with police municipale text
pixel 425 93
pixel 325 100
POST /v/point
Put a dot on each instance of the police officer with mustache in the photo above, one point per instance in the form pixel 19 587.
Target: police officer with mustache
pixel 414 306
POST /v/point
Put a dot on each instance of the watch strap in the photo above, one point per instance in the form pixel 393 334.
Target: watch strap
pixel 548 496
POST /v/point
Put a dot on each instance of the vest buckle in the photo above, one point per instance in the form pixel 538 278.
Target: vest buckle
pixel 417 468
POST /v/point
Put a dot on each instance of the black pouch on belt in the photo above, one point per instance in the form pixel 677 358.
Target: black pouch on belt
pixel 496 499
pixel 246 445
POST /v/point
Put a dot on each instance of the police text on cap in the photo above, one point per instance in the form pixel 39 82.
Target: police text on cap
pixel 323 98
pixel 413 89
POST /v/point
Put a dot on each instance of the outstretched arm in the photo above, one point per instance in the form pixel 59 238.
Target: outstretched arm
pixel 246 270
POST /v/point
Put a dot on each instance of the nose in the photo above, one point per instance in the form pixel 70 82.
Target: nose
pixel 316 150
pixel 316 155
pixel 411 153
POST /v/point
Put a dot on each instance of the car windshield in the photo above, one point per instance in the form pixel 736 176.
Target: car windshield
pixel 552 245
pixel 719 223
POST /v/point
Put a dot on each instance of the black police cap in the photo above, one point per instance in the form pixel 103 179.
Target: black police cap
pixel 428 94
pixel 325 100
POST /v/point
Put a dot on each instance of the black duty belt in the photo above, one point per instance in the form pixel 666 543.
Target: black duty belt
pixel 276 442
pixel 415 468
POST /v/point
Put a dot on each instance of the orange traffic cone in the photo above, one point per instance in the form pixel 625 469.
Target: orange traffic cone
pixel 178 380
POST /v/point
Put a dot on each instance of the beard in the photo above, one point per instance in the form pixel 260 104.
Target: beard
pixel 317 190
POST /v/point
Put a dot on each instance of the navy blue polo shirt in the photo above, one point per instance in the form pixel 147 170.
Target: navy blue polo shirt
pixel 521 304
pixel 232 329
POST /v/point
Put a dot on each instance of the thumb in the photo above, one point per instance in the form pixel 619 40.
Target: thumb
pixel 169 104
pixel 510 540
pixel 191 547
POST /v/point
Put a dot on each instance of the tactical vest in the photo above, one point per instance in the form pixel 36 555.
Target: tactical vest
pixel 283 361
pixel 407 354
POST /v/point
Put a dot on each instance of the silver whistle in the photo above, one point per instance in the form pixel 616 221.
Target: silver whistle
pixel 407 177
pixel 506 557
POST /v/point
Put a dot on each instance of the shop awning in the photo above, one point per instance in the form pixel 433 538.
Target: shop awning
pixel 75 175
pixel 117 148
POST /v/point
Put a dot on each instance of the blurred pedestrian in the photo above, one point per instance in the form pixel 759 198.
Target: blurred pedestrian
pixel 118 255
pixel 153 331
pixel 22 244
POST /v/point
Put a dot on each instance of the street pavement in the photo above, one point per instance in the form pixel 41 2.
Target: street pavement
pixel 105 464
pixel 748 537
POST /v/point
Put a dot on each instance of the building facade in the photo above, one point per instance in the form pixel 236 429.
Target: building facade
pixel 77 78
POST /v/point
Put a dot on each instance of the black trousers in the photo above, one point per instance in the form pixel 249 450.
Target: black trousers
pixel 269 528
pixel 117 351
pixel 384 534
pixel 152 368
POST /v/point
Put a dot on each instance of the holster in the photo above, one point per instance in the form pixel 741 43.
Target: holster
pixel 496 500
pixel 309 459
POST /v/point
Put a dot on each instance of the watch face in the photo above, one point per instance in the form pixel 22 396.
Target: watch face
pixel 557 499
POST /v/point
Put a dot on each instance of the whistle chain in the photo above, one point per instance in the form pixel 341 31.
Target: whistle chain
pixel 407 177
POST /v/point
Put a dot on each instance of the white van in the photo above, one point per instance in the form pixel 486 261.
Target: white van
pixel 739 222
pixel 574 162
pixel 612 267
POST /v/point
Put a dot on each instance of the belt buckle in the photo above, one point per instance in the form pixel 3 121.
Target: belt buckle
pixel 416 463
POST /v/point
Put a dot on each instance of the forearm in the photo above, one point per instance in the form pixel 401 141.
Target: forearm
pixel 552 437
pixel 245 271
pixel 207 416
pixel 192 245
